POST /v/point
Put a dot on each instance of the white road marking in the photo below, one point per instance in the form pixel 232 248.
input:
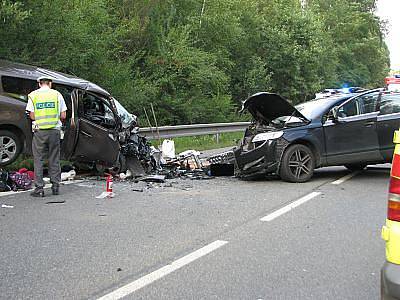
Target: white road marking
pixel 47 186
pixel 150 278
pixel 289 207
pixel 345 178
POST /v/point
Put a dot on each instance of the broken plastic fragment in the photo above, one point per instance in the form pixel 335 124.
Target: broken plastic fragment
pixel 106 195
pixel 168 149
pixel 154 178
pixel 7 206
pixel 68 175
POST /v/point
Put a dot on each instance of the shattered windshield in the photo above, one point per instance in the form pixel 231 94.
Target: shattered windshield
pixel 126 117
pixel 307 109
pixel 287 121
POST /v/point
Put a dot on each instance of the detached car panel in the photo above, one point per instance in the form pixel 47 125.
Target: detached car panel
pixel 345 129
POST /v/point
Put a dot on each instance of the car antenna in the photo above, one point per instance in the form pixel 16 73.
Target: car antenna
pixel 148 121
pixel 155 121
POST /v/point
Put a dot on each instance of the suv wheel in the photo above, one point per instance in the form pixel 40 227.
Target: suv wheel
pixel 10 147
pixel 297 164
pixel 355 167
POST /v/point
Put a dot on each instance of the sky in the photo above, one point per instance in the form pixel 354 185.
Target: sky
pixel 390 10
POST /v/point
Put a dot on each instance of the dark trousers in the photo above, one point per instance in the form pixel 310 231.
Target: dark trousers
pixel 46 142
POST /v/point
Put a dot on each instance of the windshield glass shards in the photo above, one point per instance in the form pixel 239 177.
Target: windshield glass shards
pixel 126 117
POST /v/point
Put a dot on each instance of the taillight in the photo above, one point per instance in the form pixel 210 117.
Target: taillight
pixel 394 210
pixel 394 187
pixel 394 199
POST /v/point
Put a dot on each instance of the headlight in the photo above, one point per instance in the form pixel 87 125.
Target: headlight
pixel 267 136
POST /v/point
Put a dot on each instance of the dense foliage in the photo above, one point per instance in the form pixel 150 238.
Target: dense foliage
pixel 195 60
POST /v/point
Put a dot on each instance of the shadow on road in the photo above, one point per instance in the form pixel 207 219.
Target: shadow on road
pixel 334 173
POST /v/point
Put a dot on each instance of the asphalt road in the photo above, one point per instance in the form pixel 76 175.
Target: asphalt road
pixel 198 239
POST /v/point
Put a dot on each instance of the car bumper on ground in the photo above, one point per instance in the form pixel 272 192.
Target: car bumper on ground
pixel 259 161
pixel 390 281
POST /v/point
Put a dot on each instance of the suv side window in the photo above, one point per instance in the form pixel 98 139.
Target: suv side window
pixel 390 103
pixel 361 105
pixel 351 108
pixel 18 88
pixel 369 102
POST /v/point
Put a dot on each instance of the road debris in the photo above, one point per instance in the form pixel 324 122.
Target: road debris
pixel 7 206
pixel 105 195
pixel 70 175
pixel 222 169
pixel 153 178
pixel 168 149
pixel 56 202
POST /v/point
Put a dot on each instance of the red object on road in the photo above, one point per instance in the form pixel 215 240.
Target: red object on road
pixel 109 184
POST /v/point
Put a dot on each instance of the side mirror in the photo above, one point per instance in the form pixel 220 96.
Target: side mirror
pixel 334 114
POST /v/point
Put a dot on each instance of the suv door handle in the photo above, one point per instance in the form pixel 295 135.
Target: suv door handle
pixel 369 124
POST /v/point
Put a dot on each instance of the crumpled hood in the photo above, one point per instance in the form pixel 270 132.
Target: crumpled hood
pixel 265 107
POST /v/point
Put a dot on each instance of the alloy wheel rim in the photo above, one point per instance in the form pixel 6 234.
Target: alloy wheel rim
pixel 300 163
pixel 8 149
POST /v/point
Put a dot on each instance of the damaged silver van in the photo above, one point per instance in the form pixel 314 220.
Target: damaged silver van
pixel 98 129
pixel 350 129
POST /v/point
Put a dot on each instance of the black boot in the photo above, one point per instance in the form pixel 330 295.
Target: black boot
pixel 38 192
pixel 55 190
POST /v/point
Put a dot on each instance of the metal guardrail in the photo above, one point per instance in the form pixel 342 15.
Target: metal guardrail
pixel 192 130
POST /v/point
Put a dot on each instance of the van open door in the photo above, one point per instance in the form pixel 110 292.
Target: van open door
pixel 71 127
pixel 97 137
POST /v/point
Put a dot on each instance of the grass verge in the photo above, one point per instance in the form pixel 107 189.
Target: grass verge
pixel 205 142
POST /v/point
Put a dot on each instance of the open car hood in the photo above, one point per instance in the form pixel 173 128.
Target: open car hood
pixel 265 107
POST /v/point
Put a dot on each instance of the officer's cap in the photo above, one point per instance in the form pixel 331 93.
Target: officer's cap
pixel 44 78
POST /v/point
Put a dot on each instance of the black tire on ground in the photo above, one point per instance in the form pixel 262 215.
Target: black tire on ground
pixel 355 167
pixel 120 166
pixel 10 147
pixel 297 164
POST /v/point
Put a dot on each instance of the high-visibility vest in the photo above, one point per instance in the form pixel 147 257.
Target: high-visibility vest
pixel 46 108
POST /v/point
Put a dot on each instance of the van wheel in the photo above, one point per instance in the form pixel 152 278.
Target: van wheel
pixel 297 164
pixel 355 167
pixel 120 166
pixel 10 147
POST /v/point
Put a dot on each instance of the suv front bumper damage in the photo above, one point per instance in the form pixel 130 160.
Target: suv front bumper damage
pixel 262 160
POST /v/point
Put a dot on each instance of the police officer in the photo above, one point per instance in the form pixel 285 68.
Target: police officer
pixel 47 109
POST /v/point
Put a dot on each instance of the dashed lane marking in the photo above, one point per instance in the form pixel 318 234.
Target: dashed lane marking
pixel 289 207
pixel 345 178
pixel 150 278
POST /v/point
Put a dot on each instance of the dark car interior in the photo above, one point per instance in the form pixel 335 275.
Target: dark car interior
pixel 19 88
pixel 96 110
pixel 361 105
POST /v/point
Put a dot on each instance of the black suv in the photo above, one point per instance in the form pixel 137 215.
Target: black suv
pixel 353 130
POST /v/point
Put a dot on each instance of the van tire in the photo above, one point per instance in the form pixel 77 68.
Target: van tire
pixel 297 164
pixel 10 147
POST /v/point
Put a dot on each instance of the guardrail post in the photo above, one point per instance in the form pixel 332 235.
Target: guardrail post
pixel 217 137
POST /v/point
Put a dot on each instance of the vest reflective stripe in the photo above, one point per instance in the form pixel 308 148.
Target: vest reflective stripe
pixel 46 117
pixel 46 105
